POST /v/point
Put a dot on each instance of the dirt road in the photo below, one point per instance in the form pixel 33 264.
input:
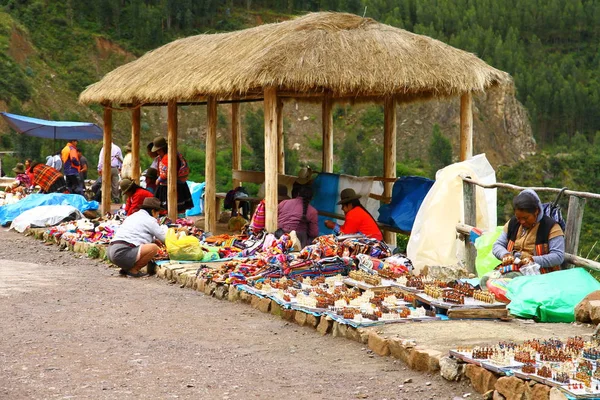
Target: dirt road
pixel 71 328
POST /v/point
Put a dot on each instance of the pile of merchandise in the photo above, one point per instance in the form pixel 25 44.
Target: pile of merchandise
pixel 570 365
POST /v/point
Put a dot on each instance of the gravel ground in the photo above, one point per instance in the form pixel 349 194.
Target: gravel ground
pixel 72 328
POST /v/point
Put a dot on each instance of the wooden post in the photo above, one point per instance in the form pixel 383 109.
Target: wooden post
pixel 107 148
pixel 327 125
pixel 210 189
pixel 236 141
pixel 172 153
pixel 466 126
pixel 270 104
pixel 470 210
pixel 573 228
pixel 135 143
pixel 280 139
pixel 389 155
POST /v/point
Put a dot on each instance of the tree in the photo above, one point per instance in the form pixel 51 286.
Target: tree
pixel 440 151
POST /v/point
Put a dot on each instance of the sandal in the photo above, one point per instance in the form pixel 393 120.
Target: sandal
pixel 138 274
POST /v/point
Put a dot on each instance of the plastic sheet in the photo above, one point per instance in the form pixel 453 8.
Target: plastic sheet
pixel 11 211
pixel 408 194
pixel 183 247
pixel 486 261
pixel 197 191
pixel 550 297
pixel 44 216
pixel 433 239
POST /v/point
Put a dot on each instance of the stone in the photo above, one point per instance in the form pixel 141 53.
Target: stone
pixel 300 318
pixel 160 272
pixel 234 294
pixel 452 370
pixel 556 394
pixel 339 330
pixel 201 285
pixel 364 335
pixel 378 344
pixel 312 320
pixel 325 326
pixel 498 396
pixel 594 311
pixel 254 301
pixel 246 297
pixel 513 388
pixel 210 288
pixel 481 379
pixel 275 308
pixel 540 392
pixel 489 395
pixel 221 292
pixel 399 350
pixel 582 310
pixel 264 305
pixel 352 334
pixel 288 315
pixel 423 359
pixel 168 273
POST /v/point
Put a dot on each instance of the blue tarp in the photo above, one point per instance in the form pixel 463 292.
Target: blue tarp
pixel 11 211
pixel 407 195
pixel 62 130
pixel 197 191
pixel 326 196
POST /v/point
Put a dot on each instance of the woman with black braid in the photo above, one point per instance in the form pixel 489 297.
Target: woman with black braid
pixel 298 215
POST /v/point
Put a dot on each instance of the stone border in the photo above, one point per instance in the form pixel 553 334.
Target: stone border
pixel 416 357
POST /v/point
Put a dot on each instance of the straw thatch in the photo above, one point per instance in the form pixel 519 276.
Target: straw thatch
pixel 345 54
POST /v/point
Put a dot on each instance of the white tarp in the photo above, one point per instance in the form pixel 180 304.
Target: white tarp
pixel 433 240
pixel 43 216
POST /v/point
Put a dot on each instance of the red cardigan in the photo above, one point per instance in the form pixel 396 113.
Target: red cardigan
pixel 135 201
pixel 358 220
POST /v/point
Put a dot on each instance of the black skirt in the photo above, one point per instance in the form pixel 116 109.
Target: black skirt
pixel 184 197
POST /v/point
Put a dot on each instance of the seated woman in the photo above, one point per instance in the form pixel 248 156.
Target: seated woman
pixel 22 181
pixel 528 237
pixel 358 219
pixel 135 195
pixel 298 215
pixel 133 246
pixel 48 179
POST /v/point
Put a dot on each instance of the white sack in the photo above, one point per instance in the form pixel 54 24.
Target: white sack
pixel 43 216
pixel 433 240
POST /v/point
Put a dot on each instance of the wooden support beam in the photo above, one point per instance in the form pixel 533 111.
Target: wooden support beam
pixel 327 125
pixel 466 126
pixel 135 143
pixel 477 313
pixel 470 210
pixel 574 220
pixel 271 158
pixel 389 155
pixel 107 147
pixel 210 212
pixel 236 141
pixel 280 139
pixel 172 154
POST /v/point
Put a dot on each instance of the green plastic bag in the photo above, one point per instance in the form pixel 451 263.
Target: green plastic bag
pixel 486 261
pixel 550 297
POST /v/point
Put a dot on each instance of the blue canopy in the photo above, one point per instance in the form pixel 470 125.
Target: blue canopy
pixel 62 130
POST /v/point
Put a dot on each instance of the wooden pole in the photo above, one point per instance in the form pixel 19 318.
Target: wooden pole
pixel 327 125
pixel 270 105
pixel 389 155
pixel 172 154
pixel 466 126
pixel 236 141
pixel 280 139
pixel 135 143
pixel 107 147
pixel 573 228
pixel 210 190
pixel 470 210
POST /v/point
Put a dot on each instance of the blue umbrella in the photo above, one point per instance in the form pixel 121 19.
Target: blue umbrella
pixel 62 130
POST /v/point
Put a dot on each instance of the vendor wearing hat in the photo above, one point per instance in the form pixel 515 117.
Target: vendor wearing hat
pixel 304 179
pixel 134 194
pixel 151 175
pixel 134 244
pixel 184 197
pixel 358 219
pixel 22 180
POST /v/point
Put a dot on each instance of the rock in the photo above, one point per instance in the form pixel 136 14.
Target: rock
pixel 264 305
pixel 201 284
pixel 378 344
pixel 582 310
pixel 364 335
pixel 312 320
pixel 451 369
pixel 399 350
pixel 540 392
pixel 288 315
pixel 234 294
pixel 408 380
pixel 325 326
pixel 594 311
pixel 352 334
pixel 222 291
pixel 498 396
pixel 275 308
pixel 556 394
pixel 423 359
pixel 300 318
pixel 246 297
pixel 513 388
pixel 481 379
pixel 489 395
pixel 339 330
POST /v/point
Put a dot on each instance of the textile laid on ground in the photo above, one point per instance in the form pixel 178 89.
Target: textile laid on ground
pixel 11 211
pixel 43 216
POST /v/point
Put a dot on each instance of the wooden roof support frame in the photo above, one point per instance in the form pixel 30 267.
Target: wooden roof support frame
pixel 172 154
pixel 271 149
pixel 107 146
pixel 389 155
pixel 327 125
pixel 236 141
pixel 466 126
pixel 135 143
pixel 210 188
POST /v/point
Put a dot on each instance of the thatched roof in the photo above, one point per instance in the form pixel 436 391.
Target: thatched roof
pixel 346 54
